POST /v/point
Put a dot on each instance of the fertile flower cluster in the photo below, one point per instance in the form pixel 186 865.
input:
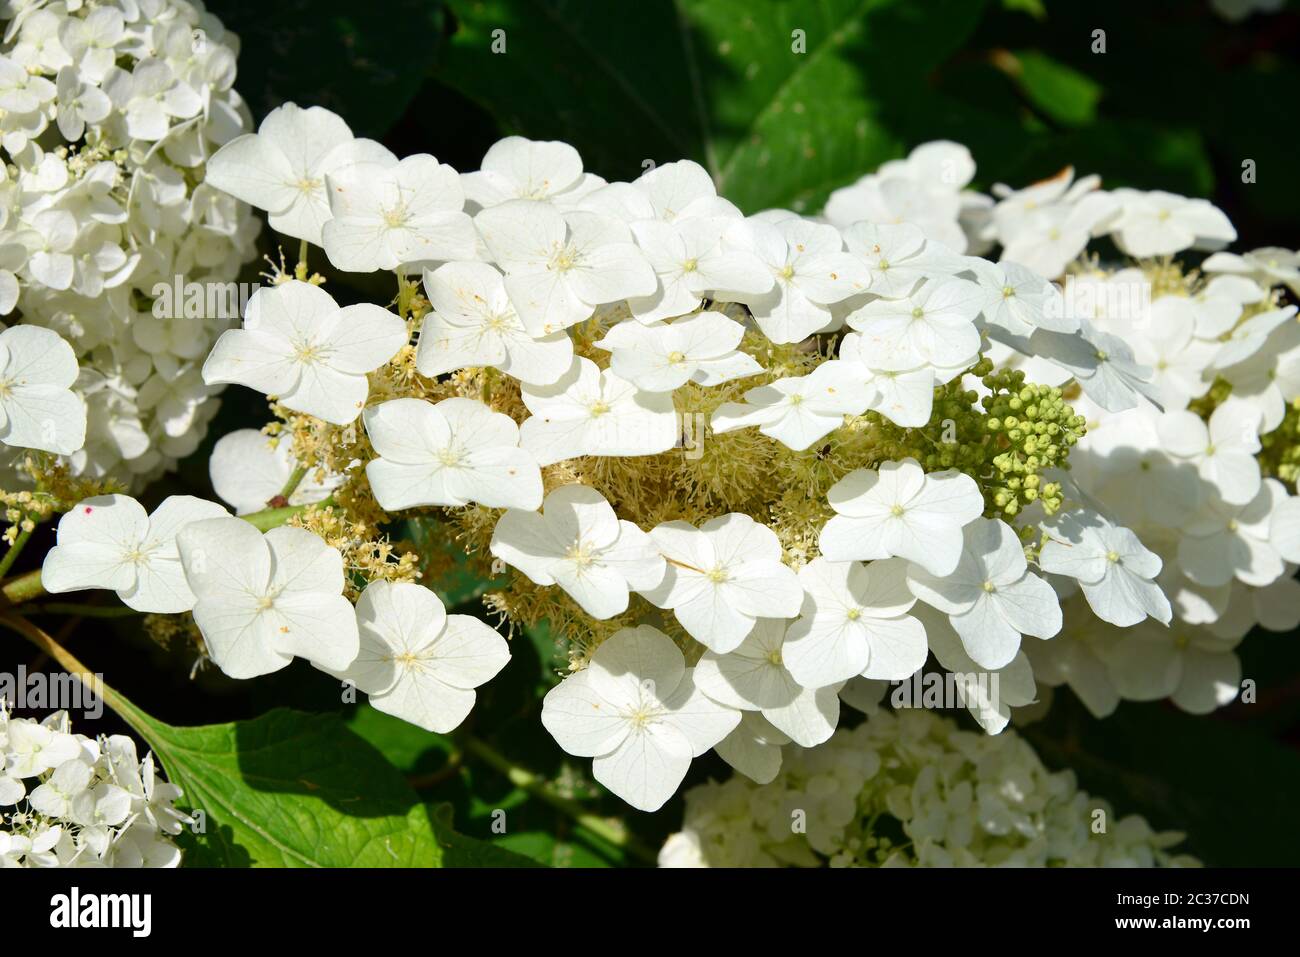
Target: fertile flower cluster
pixel 908 789
pixel 67 800
pixel 108 112
pixel 745 466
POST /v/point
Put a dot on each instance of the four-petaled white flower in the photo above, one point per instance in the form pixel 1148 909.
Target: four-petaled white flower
pixel 1222 541
pixel 592 411
pixel 991 598
pixel 899 510
pixel 854 621
pixel 898 257
pixel 79 103
pixel 1114 568
pixel 636 710
pixel 387 214
pixel 1223 450
pixel 38 409
pixel 1196 669
pixel 450 453
pixel 417 662
pixel 578 543
pixel 1156 223
pixel 150 96
pixel 517 168
pixel 811 271
pixel 109 541
pixel 692 259
pixel 298 344
pixel 1101 363
pixel 754 677
pixel 472 323
pixel 800 410
pixel 934 324
pixel 561 265
pixel 1020 300
pixel 264 599
pixel 723 576
pixel 699 348
pixel 282 167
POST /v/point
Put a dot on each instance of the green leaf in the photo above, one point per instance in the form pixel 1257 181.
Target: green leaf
pixel 1061 92
pixel 291 789
pixel 462 851
pixel 782 102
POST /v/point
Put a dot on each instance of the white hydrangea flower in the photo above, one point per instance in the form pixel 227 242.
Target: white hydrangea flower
pixel 1248 338
pixel 38 410
pixel 592 411
pixel 991 597
pixel 722 578
pixel 811 270
pixel 899 510
pixel 282 167
pixel 692 260
pixel 1217 307
pixel 578 543
pixel 989 695
pixel 1102 364
pixel 636 710
pixel 264 599
pixel 561 265
pixel 1045 226
pixel 697 348
pixel 904 396
pixel 472 323
pixel 1223 450
pixel 854 621
pixel 925 190
pixel 798 411
pixel 1177 358
pixel 110 542
pixel 247 471
pixel 1159 224
pixel 754 747
pixel 298 345
pixel 150 96
pixel 898 257
pixel 1196 669
pixel 1222 541
pixel 92 802
pixel 1270 266
pixel 385 214
pixel 933 324
pixel 754 677
pixel 449 453
pixel 1019 300
pixel 1114 568
pixel 517 168
pixel 417 662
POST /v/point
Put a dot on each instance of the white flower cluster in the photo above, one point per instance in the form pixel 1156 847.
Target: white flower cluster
pixel 108 112
pixel 608 314
pixel 67 800
pixel 908 789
